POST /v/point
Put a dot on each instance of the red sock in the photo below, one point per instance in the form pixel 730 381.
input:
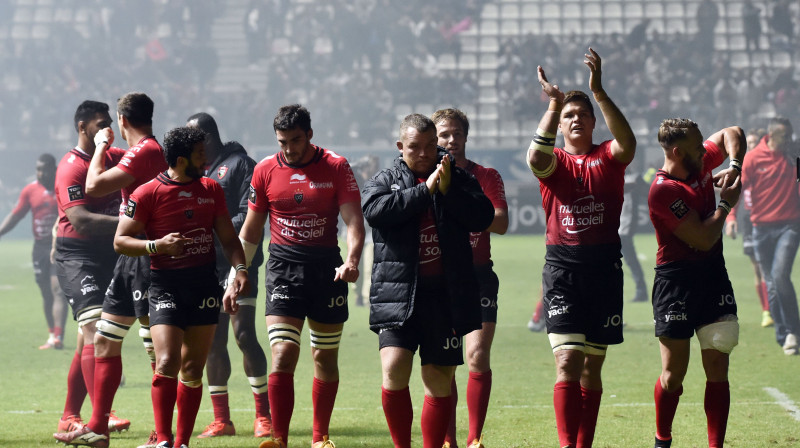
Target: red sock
pixel 323 396
pixel 262 404
pixel 479 387
pixel 717 404
pixel 58 332
pixel 450 437
pixel 188 401
pixel 281 403
pixel 222 412
pixel 666 405
pixel 163 393
pixel 591 407
pixel 537 313
pixel 435 416
pixel 567 403
pixel 87 367
pixel 399 415
pixel 762 295
pixel 76 388
pixel 107 375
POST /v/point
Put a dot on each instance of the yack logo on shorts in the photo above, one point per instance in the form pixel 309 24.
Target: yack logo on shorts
pixel 166 301
pixel 281 292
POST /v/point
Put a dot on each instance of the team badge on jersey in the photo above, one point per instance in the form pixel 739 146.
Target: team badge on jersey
pixel 75 192
pixel 252 196
pixel 130 210
pixel 189 213
pixel 298 196
pixel 222 171
pixel 679 208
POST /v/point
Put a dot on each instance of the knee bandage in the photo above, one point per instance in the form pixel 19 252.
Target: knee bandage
pixel 283 333
pixel 258 384
pixel 217 390
pixel 194 384
pixel 89 315
pixel 571 341
pixel 722 336
pixel 113 331
pixel 595 349
pixel 322 340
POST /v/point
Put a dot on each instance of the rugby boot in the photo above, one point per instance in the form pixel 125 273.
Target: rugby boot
pixel 216 429
pixel 663 443
pixel 51 343
pixel 152 441
pixel 71 423
pixel 477 443
pixel 117 424
pixel 82 437
pixel 262 427
pixel 766 319
pixel 272 443
pixel 324 443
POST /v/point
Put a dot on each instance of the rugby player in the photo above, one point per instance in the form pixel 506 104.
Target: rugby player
pixel 691 290
pixel 452 129
pixel 582 193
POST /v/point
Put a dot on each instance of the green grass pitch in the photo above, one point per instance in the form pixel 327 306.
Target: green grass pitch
pixel 765 392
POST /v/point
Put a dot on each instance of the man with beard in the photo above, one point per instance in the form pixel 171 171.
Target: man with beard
pixel 691 290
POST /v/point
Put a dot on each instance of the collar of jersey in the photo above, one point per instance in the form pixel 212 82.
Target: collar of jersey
pixel 317 155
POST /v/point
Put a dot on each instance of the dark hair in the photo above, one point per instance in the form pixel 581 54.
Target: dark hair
pixel 417 121
pixel 47 159
pixel 292 116
pixel 206 123
pixel 774 122
pixel 137 108
pixel 674 129
pixel 452 114
pixel 87 110
pixel 576 96
pixel 180 142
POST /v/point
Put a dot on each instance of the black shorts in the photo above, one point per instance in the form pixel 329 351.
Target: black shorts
pixel 587 302
pixel 489 285
pixel 426 329
pixel 303 290
pixel 685 299
pixel 84 282
pixel 41 263
pixel 127 293
pixel 184 297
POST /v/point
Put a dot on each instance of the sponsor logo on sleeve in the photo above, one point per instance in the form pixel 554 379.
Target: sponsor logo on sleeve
pixel 130 210
pixel 252 196
pixel 679 208
pixel 75 192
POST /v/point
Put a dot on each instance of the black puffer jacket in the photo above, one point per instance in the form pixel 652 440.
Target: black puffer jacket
pixel 393 203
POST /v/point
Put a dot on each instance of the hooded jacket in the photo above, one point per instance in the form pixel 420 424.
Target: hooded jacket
pixel 393 203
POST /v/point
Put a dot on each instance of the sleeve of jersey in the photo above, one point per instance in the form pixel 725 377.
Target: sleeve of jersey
pixel 494 189
pixel 139 206
pixel 257 199
pixel 73 188
pixel 347 187
pixel 714 155
pixel 115 154
pixel 24 203
pixel 605 149
pixel 667 205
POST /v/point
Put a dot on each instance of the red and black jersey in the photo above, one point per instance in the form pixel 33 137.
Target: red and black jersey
pixel 771 178
pixel 582 201
pixel 670 200
pixel 493 188
pixel 166 206
pixel 143 161
pixel 43 206
pixel 70 190
pixel 303 202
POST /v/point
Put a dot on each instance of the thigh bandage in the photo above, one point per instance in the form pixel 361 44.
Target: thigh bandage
pixel 571 341
pixel 283 333
pixel 113 331
pixel 722 336
pixel 322 340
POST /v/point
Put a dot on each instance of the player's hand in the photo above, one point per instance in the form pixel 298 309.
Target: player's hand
pixel 592 60
pixel 731 228
pixel 229 303
pixel 104 135
pixel 347 273
pixel 172 244
pixel 445 174
pixel 433 181
pixel 551 90
pixel 730 173
pixel 731 189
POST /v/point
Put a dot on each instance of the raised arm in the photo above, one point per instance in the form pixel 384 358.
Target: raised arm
pixel 540 153
pixel 733 141
pixel 703 234
pixel 99 181
pixel 623 148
